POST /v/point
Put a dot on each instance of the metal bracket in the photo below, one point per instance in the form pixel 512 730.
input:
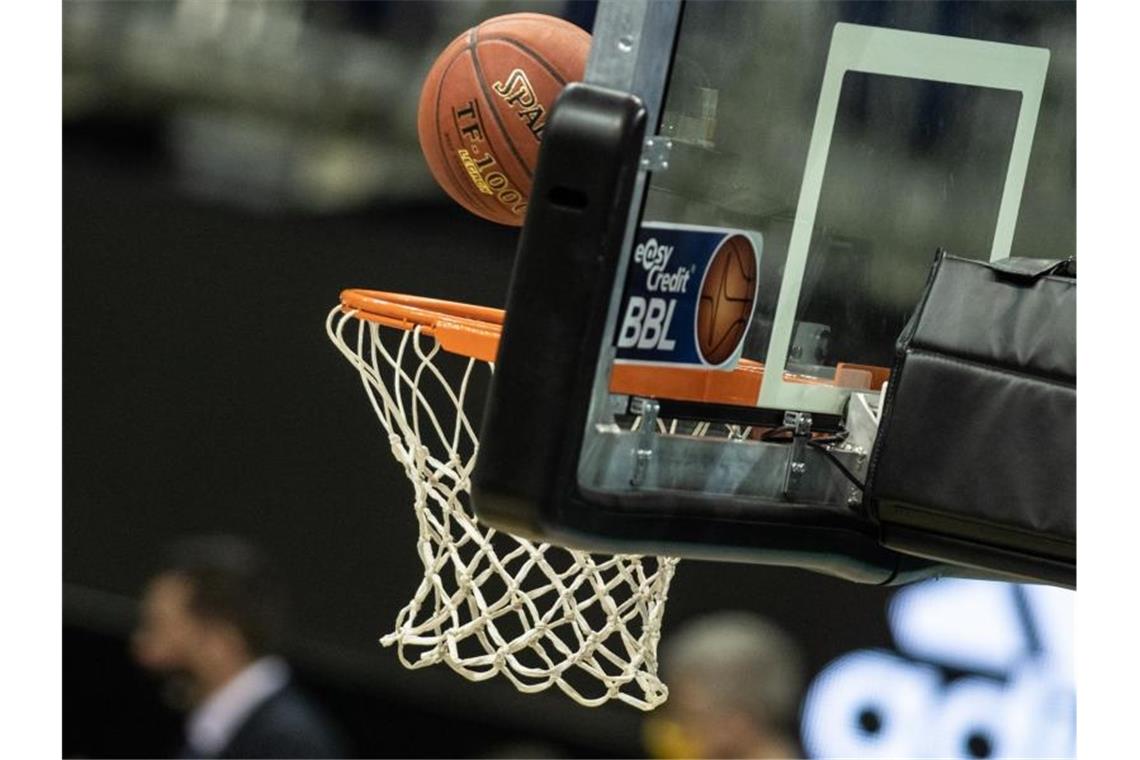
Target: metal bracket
pixel 655 153
pixel 616 406
pixel 800 423
pixel 647 409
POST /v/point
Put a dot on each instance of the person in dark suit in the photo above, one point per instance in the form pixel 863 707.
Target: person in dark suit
pixel 210 624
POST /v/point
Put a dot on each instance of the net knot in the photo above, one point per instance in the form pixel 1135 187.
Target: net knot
pixel 500 596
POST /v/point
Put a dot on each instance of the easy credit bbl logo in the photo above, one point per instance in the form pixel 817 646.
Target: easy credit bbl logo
pixel 648 321
pixel 689 296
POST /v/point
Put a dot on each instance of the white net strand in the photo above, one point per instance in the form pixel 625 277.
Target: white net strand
pixel 491 603
pixel 697 429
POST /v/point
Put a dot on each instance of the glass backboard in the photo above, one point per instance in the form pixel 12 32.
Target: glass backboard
pixel 802 164
pixel 857 139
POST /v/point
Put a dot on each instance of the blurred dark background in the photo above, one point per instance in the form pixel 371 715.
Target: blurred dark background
pixel 227 169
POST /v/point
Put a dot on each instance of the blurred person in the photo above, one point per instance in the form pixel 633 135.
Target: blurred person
pixel 211 621
pixel 735 685
pixel 523 749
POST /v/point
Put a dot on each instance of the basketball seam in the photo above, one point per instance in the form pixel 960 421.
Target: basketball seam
pixel 716 346
pixel 460 181
pixel 722 279
pixel 707 337
pixel 472 42
pixel 554 21
pixel 532 53
pixel 723 298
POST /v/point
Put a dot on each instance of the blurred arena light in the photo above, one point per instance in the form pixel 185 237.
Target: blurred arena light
pixel 985 671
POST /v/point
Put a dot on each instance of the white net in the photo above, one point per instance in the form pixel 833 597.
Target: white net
pixel 491 603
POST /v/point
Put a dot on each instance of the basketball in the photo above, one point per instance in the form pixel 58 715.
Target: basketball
pixel 485 103
pixel 727 295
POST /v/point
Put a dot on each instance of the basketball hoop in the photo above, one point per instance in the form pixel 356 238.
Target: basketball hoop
pixel 491 603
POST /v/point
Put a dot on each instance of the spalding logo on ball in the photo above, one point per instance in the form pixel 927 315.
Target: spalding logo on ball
pixel 485 103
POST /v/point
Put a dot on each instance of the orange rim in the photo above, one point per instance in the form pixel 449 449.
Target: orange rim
pixel 459 328
pixel 473 331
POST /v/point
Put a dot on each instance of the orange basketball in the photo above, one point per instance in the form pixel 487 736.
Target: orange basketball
pixel 485 104
pixel 727 295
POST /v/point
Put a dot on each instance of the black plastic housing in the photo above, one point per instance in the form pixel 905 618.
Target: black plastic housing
pixel 556 305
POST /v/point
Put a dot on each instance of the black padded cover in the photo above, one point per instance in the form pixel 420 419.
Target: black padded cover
pixel 975 459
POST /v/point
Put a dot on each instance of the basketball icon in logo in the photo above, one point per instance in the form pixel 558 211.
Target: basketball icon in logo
pixel 727 295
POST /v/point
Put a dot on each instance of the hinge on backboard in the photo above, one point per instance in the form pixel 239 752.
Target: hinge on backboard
pixel 800 423
pixel 647 409
pixel 655 153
